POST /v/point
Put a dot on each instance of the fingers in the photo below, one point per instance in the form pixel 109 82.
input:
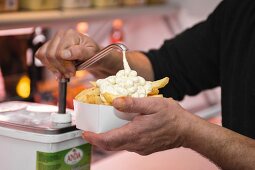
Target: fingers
pixel 76 46
pixel 145 134
pixel 65 46
pixel 116 139
pixel 133 137
pixel 146 105
pixel 78 52
pixel 51 56
pixel 68 39
pixel 40 54
pixel 47 55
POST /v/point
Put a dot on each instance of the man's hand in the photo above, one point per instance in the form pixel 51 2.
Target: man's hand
pixel 162 125
pixel 69 47
pixel 65 47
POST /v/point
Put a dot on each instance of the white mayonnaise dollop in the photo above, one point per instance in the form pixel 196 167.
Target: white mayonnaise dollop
pixel 125 83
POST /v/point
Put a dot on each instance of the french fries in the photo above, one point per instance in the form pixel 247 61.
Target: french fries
pixel 93 83
pixel 94 99
pixel 109 97
pixel 154 91
pixel 87 93
pixel 156 85
pixel 160 83
pixel 159 95
pixel 92 95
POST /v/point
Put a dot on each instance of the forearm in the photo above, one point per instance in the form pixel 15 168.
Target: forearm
pixel 227 149
pixel 137 61
pixel 140 63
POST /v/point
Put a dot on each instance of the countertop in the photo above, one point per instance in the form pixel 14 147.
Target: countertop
pixel 176 159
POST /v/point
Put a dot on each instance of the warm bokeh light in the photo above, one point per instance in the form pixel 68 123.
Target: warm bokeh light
pixel 117 23
pixel 23 87
pixel 81 73
pixel 82 27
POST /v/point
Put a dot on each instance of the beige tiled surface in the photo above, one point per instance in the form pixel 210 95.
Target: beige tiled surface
pixel 176 159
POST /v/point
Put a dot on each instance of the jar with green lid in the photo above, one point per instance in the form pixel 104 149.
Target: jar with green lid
pixel 134 2
pixel 106 3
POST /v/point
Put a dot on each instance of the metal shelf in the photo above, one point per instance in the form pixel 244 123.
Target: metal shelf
pixel 49 18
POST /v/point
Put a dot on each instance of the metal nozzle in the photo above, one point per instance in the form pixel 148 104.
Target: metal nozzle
pixel 101 54
pixel 119 46
pixel 62 89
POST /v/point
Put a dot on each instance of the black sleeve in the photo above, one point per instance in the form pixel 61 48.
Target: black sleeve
pixel 191 59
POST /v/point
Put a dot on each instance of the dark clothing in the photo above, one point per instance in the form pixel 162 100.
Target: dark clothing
pixel 217 52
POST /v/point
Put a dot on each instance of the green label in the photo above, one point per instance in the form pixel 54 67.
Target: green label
pixel 77 158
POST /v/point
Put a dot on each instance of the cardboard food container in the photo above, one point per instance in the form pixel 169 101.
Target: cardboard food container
pixel 99 118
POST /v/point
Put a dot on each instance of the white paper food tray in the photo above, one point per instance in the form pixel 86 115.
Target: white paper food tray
pixel 99 118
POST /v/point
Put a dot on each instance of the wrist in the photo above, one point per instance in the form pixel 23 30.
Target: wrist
pixel 190 129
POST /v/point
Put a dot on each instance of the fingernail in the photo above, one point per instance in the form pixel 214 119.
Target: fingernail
pixel 119 103
pixel 85 136
pixel 66 54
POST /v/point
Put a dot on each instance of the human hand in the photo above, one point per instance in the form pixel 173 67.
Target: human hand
pixel 161 125
pixel 59 54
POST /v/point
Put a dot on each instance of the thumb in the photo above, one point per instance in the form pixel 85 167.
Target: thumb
pixel 77 52
pixel 146 105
